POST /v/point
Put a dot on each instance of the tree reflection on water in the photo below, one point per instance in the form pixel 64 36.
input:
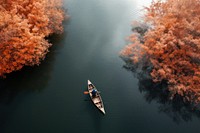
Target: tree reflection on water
pixel 176 108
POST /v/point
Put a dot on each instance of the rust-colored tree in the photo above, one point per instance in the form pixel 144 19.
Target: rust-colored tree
pixel 171 46
pixel 24 24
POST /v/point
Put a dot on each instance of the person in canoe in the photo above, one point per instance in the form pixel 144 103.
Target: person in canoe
pixel 94 92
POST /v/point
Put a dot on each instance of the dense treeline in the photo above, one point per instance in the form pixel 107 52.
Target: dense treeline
pixel 170 47
pixel 24 24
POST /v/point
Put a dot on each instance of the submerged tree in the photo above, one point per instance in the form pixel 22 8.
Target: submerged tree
pixel 24 24
pixel 170 47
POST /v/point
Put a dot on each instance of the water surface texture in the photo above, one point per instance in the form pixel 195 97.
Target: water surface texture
pixel 50 99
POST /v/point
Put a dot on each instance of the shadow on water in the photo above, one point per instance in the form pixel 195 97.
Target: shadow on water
pixel 28 80
pixel 95 115
pixel 176 108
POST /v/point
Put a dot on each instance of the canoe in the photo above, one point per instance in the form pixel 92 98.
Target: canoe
pixel 97 100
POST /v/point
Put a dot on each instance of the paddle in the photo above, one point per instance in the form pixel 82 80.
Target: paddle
pixel 86 92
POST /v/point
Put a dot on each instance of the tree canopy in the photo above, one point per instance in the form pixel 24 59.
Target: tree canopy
pixel 171 45
pixel 24 24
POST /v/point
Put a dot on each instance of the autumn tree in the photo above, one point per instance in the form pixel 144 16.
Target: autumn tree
pixel 24 26
pixel 170 46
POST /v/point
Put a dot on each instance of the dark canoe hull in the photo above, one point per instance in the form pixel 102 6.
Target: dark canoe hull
pixel 97 100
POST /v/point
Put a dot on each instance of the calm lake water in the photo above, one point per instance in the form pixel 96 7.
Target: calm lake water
pixel 50 99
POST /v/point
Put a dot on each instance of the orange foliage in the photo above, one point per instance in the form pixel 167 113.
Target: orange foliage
pixel 172 46
pixel 24 24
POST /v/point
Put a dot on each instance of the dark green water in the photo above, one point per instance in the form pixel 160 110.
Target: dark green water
pixel 50 99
